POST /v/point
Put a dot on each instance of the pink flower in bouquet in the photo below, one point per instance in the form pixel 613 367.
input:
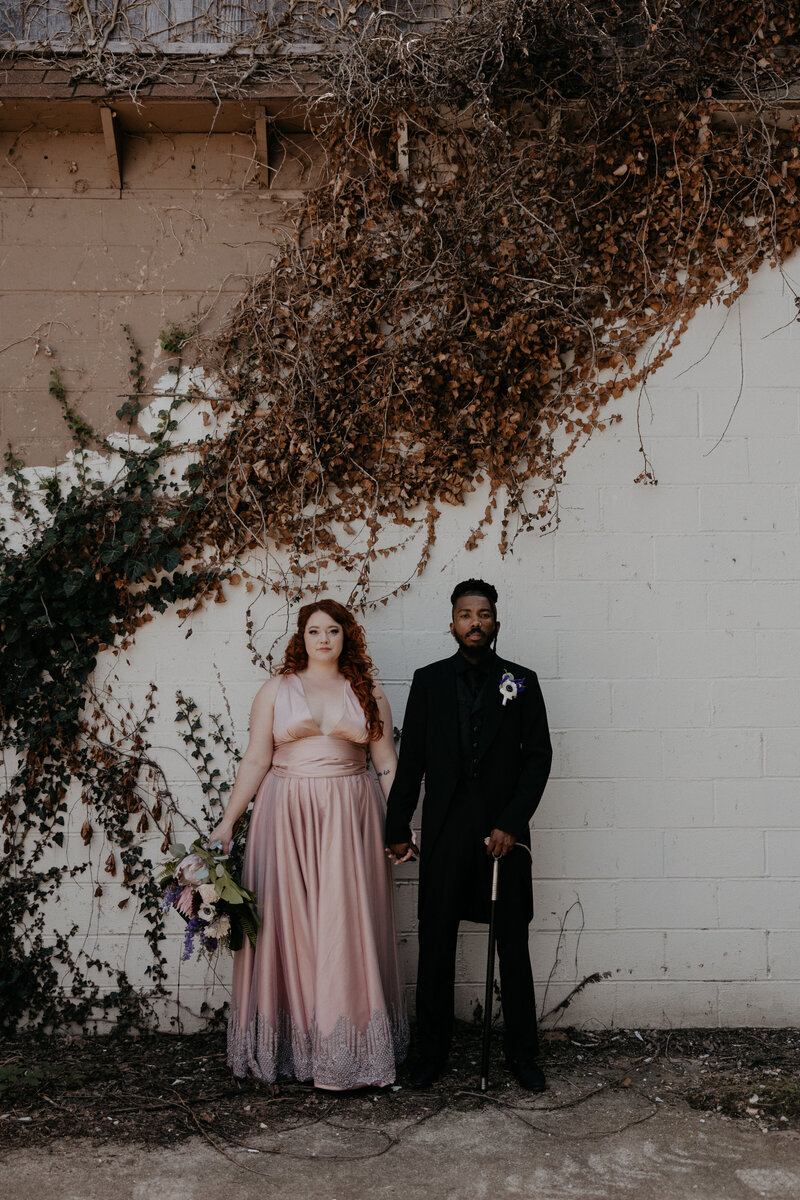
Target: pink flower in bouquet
pixel 192 871
pixel 185 902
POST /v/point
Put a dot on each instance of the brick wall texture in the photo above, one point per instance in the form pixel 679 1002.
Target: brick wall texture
pixel 663 621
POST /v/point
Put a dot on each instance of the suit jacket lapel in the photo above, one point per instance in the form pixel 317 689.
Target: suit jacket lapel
pixel 494 708
pixel 449 710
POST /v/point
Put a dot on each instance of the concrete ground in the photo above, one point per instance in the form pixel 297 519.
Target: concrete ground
pixel 580 1139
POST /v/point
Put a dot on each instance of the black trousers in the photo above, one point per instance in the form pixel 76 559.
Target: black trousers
pixel 457 886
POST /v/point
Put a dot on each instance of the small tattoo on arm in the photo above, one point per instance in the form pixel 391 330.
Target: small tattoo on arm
pixel 384 772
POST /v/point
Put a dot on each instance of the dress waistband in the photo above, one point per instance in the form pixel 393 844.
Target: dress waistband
pixel 317 757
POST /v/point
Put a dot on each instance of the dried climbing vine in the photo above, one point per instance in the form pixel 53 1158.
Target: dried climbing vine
pixel 524 206
pixel 582 178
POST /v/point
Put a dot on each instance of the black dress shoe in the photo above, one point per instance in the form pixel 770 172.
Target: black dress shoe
pixel 426 1072
pixel 528 1074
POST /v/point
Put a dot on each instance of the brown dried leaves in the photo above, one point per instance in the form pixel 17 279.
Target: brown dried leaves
pixel 476 320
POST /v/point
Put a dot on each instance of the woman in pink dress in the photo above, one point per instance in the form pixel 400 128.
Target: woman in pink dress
pixel 320 996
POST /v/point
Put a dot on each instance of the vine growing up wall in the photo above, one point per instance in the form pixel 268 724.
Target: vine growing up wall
pixel 523 207
pixel 97 561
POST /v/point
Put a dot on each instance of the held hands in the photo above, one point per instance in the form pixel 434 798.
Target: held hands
pixel 400 852
pixel 499 844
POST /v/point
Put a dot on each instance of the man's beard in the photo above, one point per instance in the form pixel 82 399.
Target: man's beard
pixel 475 649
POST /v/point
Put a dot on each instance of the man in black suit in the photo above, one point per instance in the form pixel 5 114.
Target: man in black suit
pixel 475 727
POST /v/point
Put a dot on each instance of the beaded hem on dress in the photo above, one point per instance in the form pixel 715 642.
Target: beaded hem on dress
pixel 320 996
pixel 347 1057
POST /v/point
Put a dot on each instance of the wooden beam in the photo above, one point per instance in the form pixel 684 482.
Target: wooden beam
pixel 111 137
pixel 262 146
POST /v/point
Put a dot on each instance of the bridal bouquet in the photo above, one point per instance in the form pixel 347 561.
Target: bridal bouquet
pixel 217 909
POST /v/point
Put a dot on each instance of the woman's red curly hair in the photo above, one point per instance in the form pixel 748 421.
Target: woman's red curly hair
pixel 354 661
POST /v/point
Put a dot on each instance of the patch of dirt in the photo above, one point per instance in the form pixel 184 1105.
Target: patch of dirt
pixel 159 1089
pixel 752 1074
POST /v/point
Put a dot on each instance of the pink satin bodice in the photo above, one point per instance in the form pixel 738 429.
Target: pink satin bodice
pixel 300 748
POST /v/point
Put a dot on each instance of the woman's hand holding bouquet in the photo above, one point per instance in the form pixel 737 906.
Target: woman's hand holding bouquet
pixel 216 908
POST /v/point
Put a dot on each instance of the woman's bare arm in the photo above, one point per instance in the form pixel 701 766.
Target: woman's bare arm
pixel 254 765
pixel 382 752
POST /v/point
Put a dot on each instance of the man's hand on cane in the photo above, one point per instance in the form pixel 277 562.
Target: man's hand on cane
pixel 499 843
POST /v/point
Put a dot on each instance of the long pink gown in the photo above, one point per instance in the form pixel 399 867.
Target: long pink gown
pixel 320 997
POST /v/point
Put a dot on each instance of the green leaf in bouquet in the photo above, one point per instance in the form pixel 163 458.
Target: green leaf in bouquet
pixel 167 873
pixel 199 848
pixel 242 895
pixel 220 870
pixel 178 850
pixel 248 923
pixel 228 890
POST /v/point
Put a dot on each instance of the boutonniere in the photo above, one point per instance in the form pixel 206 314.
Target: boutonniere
pixel 510 687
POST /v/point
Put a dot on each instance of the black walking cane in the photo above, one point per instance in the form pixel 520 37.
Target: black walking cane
pixel 488 1002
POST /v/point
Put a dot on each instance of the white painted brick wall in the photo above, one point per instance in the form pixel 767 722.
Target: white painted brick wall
pixel 783 961
pixel 664 623
pixel 759 903
pixel 707 654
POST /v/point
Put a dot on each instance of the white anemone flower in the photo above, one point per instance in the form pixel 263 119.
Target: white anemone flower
pixel 510 687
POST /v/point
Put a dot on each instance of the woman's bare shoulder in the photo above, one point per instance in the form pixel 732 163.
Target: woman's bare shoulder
pixel 265 696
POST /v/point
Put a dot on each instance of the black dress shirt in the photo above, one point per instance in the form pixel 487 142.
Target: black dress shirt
pixel 471 680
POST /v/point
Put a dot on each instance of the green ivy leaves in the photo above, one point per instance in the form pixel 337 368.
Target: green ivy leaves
pixel 96 563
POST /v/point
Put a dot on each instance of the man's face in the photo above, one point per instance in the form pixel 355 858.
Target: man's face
pixel 473 624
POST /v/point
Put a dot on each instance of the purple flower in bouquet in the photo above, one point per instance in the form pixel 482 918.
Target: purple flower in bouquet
pixel 193 926
pixel 170 896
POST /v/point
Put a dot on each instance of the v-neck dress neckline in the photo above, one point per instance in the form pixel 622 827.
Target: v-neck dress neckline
pixel 316 724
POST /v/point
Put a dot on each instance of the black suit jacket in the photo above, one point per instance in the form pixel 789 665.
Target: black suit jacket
pixel 513 757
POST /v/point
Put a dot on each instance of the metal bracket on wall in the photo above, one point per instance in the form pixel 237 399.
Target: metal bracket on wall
pixel 262 146
pixel 113 144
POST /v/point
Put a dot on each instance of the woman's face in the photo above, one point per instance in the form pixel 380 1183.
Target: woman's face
pixel 323 638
